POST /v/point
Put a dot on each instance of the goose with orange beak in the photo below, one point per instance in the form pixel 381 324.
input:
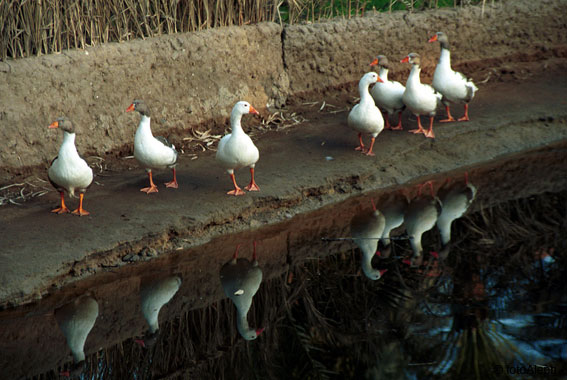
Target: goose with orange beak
pixel 152 152
pixel 236 150
pixel 365 117
pixel 421 99
pixel 454 86
pixel 388 94
pixel 69 171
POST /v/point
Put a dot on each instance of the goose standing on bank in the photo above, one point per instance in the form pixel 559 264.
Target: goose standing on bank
pixel 456 199
pixel 69 171
pixel 365 117
pixel 152 152
pixel 421 216
pixel 421 99
pixel 454 86
pixel 366 229
pixel 76 320
pixel 154 295
pixel 388 94
pixel 240 280
pixel 236 150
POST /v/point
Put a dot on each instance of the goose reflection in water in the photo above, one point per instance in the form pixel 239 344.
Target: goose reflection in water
pixel 155 294
pixel 76 320
pixel 240 280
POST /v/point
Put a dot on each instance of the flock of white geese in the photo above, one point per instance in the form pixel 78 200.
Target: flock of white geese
pixel 69 172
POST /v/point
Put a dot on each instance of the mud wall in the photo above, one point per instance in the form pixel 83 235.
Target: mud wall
pixel 333 53
pixel 194 78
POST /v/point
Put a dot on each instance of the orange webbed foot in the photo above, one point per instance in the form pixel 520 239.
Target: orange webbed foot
pixel 397 128
pixel 151 189
pixel 416 131
pixel 81 212
pixel 252 187
pixel 464 118
pixel 430 134
pixel 172 184
pixel 236 192
pixel 61 210
pixel 447 120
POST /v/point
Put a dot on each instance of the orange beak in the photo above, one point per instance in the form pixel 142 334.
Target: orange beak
pixel 373 204
pixel 53 125
pixel 379 80
pixel 383 271
pixel 131 108
pixel 375 62
pixel 433 39
pixel 260 331
pixel 405 60
pixel 253 111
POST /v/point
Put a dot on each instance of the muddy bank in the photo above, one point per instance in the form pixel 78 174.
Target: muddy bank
pixel 192 80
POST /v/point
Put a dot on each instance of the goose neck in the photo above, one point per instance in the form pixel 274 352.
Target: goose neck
pixel 383 73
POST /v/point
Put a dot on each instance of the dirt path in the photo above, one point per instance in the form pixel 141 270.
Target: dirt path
pixel 295 173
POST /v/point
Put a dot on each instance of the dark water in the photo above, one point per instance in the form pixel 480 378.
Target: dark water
pixel 495 307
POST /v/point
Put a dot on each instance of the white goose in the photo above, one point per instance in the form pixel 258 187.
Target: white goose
pixel 68 171
pixel 76 320
pixel 154 295
pixel 240 280
pixel 454 86
pixel 152 152
pixel 388 94
pixel 456 199
pixel 421 99
pixel 421 216
pixel 366 229
pixel 365 117
pixel 236 150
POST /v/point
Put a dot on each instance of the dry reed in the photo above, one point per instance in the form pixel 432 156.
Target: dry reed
pixel 30 28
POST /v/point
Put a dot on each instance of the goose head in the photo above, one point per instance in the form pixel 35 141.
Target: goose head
pixel 64 124
pixel 369 78
pixel 412 58
pixel 140 107
pixel 441 38
pixel 382 61
pixel 242 108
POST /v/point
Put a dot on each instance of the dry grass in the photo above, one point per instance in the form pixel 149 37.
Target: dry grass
pixel 46 26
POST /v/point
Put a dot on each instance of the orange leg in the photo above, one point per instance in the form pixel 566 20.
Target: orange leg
pixel 237 190
pixel 173 182
pixel 63 209
pixel 252 185
pixel 369 153
pixel 81 211
pixel 466 117
pixel 387 121
pixel 419 127
pixel 430 133
pixel 399 126
pixel 152 188
pixel 361 146
pixel 449 117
